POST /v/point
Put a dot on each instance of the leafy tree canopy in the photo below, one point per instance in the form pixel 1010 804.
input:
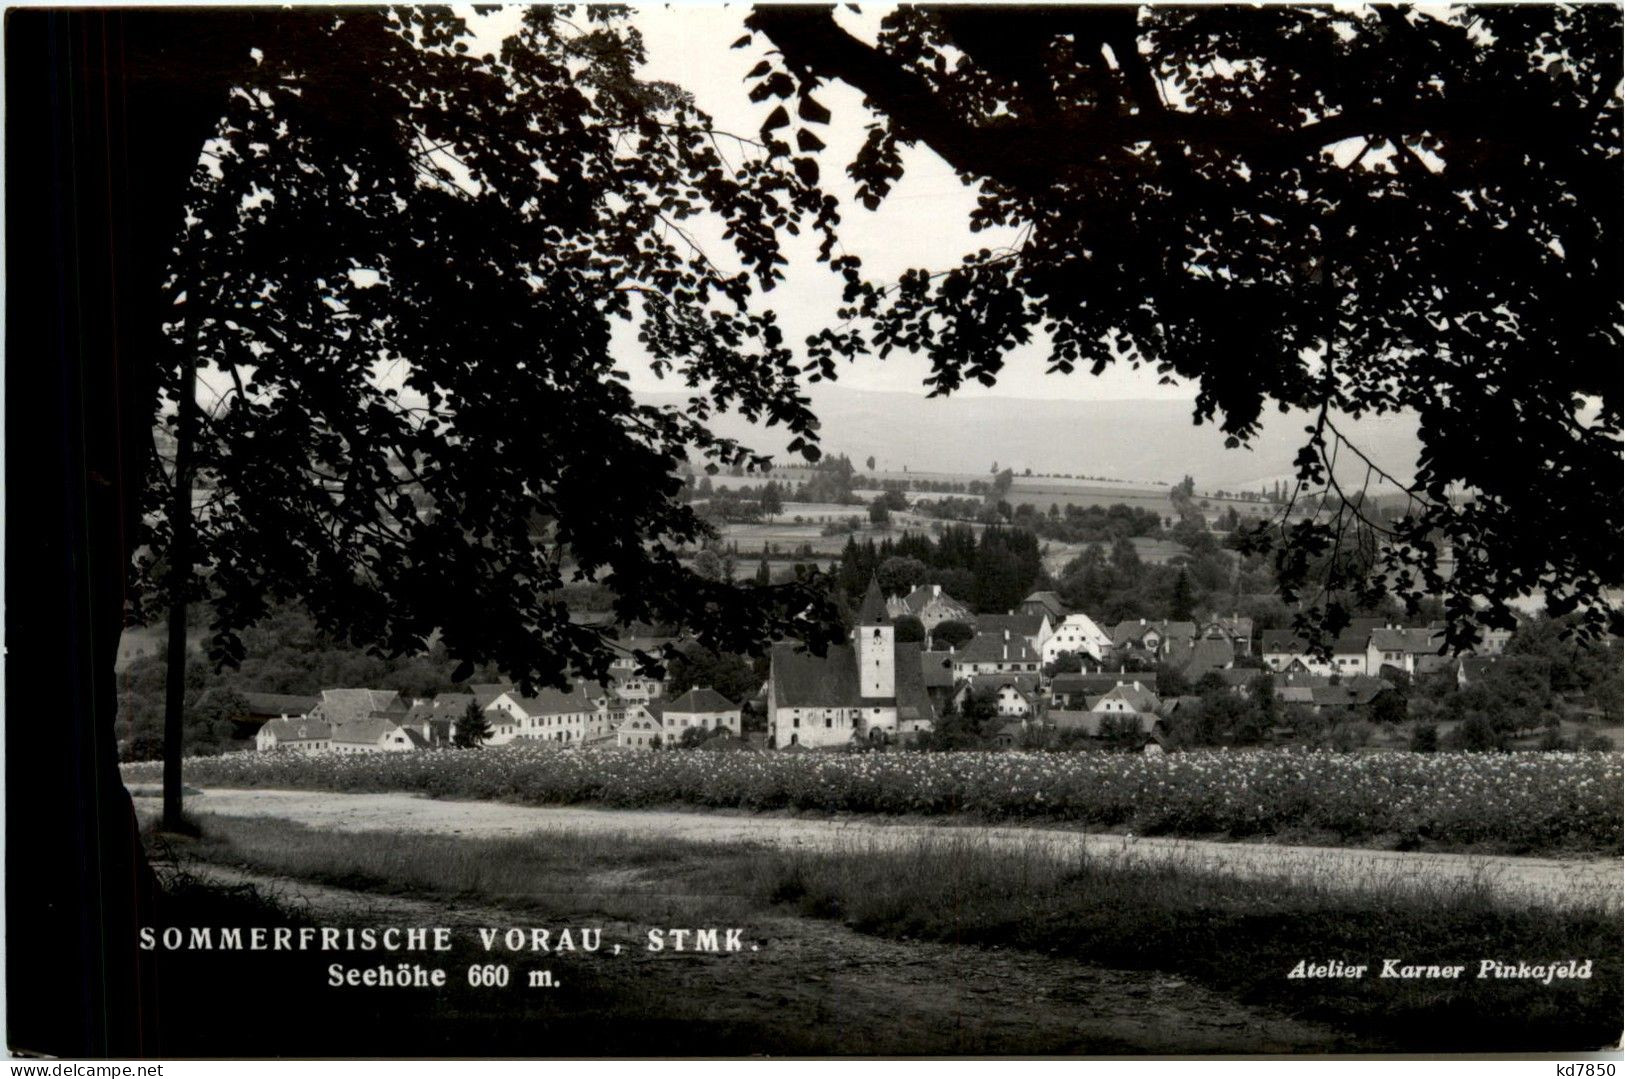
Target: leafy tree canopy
pixel 399 270
pixel 1347 211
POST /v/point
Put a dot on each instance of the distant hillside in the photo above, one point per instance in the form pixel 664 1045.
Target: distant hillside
pixel 1133 440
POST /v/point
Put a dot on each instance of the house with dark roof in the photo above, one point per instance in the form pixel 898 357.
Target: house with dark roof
pixel 931 605
pixel 1046 603
pixel 937 672
pixel 340 706
pixel 642 727
pixel 872 688
pixel 579 717
pixel 486 692
pixel 1414 650
pixel 701 708
pixel 1237 629
pixel 1150 637
pixel 1035 629
pixel 1201 655
pixel 1014 695
pixel 997 652
pixel 1284 650
pixel 276 705
pixel 298 734
pixel 379 732
pixel 1124 699
pixel 1079 691
pixel 436 718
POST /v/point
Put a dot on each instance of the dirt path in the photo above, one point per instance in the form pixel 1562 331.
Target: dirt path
pixel 1544 880
pixel 827 989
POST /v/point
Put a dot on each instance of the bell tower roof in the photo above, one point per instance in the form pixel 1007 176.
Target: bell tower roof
pixel 873 611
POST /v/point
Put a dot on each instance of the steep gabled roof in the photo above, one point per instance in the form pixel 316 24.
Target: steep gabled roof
pixel 366 730
pixel 937 668
pixel 1409 640
pixel 1101 681
pixel 1141 700
pixel 873 611
pixel 298 729
pixel 1019 624
pixel 278 704
pixel 913 702
pixel 1050 601
pixel 996 648
pixel 553 702
pixel 1202 655
pixel 346 705
pixel 1287 642
pixel 803 680
pixel 1126 632
pixel 1025 684
pixel 446 707
pixel 702 699
pixel 919 599
pixel 486 692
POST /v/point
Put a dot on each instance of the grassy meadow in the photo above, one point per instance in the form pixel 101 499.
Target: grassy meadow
pixel 1239 938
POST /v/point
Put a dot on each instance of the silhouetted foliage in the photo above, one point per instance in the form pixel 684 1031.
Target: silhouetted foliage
pixel 399 271
pixel 1426 204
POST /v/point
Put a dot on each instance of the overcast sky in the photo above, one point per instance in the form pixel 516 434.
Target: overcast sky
pixel 922 224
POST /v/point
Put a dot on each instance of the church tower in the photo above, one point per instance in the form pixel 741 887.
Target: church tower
pixel 875 648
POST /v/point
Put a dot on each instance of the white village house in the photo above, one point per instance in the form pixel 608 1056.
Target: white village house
pixel 1077 633
pixel 703 708
pixel 580 717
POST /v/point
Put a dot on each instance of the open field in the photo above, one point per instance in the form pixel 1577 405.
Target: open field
pixel 1545 882
pixel 1486 802
pixel 1072 952
pixel 807 986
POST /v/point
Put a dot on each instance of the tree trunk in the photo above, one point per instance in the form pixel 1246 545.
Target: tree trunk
pixel 119 104
pixel 180 573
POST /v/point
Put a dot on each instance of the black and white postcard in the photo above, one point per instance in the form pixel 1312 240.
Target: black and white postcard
pixel 807 531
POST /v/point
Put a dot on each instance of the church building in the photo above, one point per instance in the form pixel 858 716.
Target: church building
pixel 872 689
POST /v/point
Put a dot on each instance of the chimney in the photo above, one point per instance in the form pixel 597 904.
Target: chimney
pixel 936 590
pixel 1142 621
pixel 1136 683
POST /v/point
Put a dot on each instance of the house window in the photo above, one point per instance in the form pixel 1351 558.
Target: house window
pixel 795 721
pixel 828 722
